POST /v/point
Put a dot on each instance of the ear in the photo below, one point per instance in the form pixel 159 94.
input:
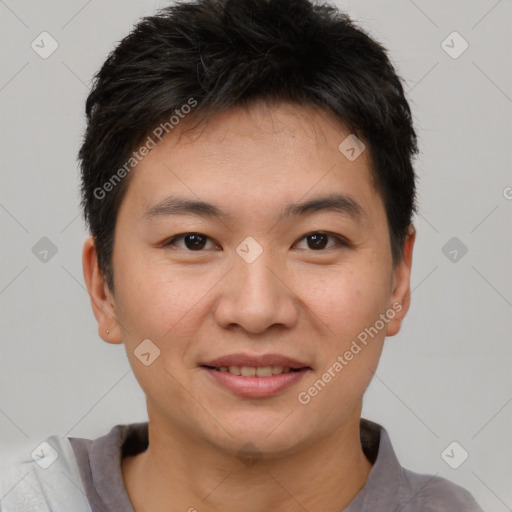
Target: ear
pixel 400 299
pixel 102 301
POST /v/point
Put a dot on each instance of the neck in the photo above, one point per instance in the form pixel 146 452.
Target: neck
pixel 193 475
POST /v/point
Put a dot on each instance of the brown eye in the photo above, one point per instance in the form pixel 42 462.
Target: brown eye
pixel 192 241
pixel 319 240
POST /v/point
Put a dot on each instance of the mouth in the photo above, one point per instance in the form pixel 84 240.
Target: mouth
pixel 259 376
pixel 256 371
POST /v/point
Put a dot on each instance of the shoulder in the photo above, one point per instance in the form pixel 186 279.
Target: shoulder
pixel 63 473
pixel 390 486
pixel 43 478
pixel 431 493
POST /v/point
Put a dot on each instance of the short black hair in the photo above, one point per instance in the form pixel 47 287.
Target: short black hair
pixel 211 55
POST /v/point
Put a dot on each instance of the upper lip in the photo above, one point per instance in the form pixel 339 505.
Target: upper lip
pixel 255 361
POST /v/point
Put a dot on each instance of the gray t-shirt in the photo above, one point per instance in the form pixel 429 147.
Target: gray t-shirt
pixel 389 488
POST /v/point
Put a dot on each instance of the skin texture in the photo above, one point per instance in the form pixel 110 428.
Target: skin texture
pixel 308 304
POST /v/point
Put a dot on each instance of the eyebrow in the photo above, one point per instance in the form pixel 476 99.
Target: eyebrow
pixel 339 203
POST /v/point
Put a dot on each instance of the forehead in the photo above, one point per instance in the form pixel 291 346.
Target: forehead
pixel 253 158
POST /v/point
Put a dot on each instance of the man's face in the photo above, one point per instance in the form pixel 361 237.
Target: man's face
pixel 251 282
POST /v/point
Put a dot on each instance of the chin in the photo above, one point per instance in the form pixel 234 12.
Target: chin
pixel 273 434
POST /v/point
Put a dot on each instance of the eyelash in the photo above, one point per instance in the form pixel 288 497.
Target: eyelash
pixel 340 241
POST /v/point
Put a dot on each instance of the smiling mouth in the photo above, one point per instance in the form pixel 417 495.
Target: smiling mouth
pixel 256 371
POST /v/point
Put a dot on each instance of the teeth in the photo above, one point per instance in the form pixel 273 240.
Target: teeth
pixel 251 371
pixel 234 370
pixel 247 371
pixel 264 371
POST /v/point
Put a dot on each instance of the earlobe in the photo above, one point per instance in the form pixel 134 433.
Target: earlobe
pixel 102 300
pixel 401 293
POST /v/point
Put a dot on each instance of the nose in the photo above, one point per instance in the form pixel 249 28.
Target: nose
pixel 256 296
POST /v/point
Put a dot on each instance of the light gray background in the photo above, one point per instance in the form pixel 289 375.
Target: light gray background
pixel 446 377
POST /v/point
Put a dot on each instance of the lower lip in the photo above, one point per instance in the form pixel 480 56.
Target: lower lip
pixel 256 387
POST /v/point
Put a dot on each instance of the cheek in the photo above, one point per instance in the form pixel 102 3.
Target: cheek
pixel 151 290
pixel 350 351
pixel 348 299
pixel 163 303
